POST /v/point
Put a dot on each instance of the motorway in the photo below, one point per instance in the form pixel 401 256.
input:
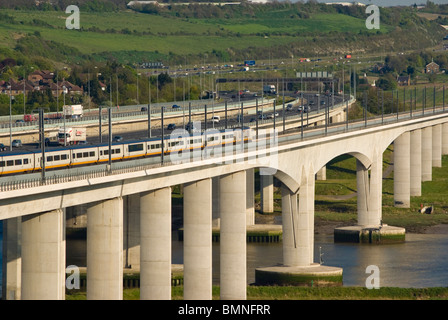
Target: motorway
pixel 312 100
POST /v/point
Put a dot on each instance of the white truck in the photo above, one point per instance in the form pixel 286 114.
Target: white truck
pixel 73 111
pixel 269 88
pixel 72 135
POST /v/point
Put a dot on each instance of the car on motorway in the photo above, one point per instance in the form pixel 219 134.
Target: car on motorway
pixel 20 121
pixel 143 109
pixel 306 109
pixel 216 119
pixel 263 116
pixel 83 142
pixel 16 143
pixel 171 126
pixel 289 107
pixel 3 147
pixel 175 106
pixel 118 138
pixel 300 109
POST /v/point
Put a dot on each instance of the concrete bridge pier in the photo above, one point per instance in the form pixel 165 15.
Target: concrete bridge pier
pixel 402 171
pixel 427 154
pixel 232 204
pixel 198 240
pixel 250 197
pixel 105 250
pixel 321 175
pixel 298 243
pixel 155 244
pixel 267 193
pixel 43 256
pixel 12 259
pixel 445 138
pixel 437 146
pixel 370 228
pixel 416 163
pixel 131 231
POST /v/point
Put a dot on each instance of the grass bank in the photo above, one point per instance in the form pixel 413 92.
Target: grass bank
pixel 303 293
pixel 336 197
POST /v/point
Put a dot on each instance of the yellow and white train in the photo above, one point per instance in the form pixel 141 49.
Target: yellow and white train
pixel 66 157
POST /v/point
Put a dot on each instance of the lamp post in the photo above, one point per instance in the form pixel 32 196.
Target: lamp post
pixel 10 117
pixel 137 87
pixel 109 111
pixel 63 114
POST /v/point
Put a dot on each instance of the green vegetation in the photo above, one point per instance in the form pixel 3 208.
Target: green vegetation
pixel 306 293
pixel 341 173
pixel 223 33
pixel 114 40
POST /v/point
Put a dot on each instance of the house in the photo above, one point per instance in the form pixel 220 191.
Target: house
pixel 16 88
pixel 41 75
pixel 432 67
pixel 404 80
pixel 70 88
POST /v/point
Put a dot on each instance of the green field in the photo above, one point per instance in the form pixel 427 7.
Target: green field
pixel 127 31
pixel 303 293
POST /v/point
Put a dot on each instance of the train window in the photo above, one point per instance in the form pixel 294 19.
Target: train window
pixel 136 147
pixel 25 161
pixel 63 157
pixel 2 164
pixel 79 155
pixel 57 158
pixel 117 151
pixel 92 153
pixel 18 162
pixel 85 154
pixel 106 152
pixel 10 163
pixel 50 158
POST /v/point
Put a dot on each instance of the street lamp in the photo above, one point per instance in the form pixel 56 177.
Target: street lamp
pixel 10 117
pixel 137 87
pixel 63 114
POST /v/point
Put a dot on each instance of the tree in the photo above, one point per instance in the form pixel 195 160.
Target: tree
pixel 387 82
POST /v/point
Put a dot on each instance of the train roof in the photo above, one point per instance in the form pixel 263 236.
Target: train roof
pixel 17 152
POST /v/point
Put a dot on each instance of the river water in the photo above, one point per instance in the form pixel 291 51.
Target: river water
pixel 421 261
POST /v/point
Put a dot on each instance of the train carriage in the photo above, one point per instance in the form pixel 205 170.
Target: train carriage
pixel 83 155
pixel 116 151
pixel 29 161
pixel 17 162
pixel 54 158
pixel 153 147
pixel 134 149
